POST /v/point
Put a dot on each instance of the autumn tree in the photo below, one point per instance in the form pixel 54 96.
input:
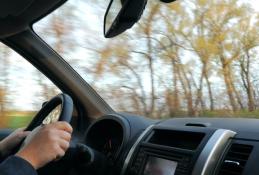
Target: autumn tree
pixel 119 61
pixel 248 34
pixel 146 28
pixel 221 18
pixel 4 81
pixel 204 47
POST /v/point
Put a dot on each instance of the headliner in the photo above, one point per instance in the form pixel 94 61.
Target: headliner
pixel 19 15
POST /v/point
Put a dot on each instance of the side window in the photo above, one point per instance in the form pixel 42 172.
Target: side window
pixel 23 89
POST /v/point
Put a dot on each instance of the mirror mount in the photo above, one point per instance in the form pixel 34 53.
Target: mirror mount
pixel 125 17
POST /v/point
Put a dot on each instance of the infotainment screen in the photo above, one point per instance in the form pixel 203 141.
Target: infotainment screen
pixel 158 166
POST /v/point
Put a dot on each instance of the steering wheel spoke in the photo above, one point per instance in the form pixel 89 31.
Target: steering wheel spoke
pixel 59 108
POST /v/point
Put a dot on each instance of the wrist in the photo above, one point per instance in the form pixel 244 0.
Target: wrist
pixel 26 156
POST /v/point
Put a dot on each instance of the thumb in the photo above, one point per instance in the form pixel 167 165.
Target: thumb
pixel 24 134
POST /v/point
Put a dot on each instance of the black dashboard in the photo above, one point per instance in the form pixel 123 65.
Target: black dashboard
pixel 181 146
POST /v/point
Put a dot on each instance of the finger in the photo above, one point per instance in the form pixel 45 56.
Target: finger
pixel 23 134
pixel 26 133
pixel 61 152
pixel 20 129
pixel 17 132
pixel 64 145
pixel 64 126
pixel 64 135
pixel 59 155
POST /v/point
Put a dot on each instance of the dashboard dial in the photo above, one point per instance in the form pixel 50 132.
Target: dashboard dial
pixel 110 147
pixel 106 136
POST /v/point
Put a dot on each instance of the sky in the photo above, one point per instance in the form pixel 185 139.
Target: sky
pixel 255 3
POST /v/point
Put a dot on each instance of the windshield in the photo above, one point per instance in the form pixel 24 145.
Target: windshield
pixel 187 58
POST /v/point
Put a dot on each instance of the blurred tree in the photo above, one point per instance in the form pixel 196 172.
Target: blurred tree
pixel 4 80
pixel 118 61
pixel 175 46
pixel 221 20
pixel 249 41
pixel 177 59
pixel 146 29
pixel 2 101
pixel 204 48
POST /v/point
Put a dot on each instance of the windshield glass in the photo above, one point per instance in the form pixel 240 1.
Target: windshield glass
pixel 187 58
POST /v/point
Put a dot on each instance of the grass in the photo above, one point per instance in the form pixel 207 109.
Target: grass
pixel 16 119
pixel 231 114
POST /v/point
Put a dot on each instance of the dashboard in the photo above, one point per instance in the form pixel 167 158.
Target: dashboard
pixel 181 146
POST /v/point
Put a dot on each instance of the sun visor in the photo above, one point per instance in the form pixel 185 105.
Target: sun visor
pixel 13 7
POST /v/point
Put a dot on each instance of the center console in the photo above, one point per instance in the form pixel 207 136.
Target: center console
pixel 162 150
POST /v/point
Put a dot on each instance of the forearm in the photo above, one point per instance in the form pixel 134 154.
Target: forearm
pixel 16 165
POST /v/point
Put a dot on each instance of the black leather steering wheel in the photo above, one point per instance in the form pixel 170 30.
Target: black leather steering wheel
pixel 66 103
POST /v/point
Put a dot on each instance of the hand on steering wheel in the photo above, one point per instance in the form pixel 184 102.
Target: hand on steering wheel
pixel 46 143
pixel 51 133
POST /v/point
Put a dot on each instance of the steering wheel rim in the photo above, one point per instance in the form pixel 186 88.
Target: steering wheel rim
pixel 66 103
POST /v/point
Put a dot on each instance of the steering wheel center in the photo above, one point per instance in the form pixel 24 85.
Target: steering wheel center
pixel 59 108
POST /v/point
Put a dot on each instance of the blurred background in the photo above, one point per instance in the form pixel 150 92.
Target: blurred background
pixel 195 58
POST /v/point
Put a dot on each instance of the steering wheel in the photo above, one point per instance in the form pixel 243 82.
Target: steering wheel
pixel 65 105
pixel 62 101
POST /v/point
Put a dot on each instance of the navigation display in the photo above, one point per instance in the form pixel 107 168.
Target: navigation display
pixel 158 166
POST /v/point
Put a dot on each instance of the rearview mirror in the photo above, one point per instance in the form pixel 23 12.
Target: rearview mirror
pixel 122 15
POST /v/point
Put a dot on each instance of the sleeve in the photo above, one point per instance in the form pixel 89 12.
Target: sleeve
pixel 16 166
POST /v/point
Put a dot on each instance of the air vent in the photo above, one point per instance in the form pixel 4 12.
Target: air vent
pixel 235 160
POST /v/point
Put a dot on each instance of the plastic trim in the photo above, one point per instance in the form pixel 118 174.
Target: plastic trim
pixel 207 161
pixel 133 148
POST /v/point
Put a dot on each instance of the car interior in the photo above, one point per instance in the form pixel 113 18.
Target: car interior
pixel 106 142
